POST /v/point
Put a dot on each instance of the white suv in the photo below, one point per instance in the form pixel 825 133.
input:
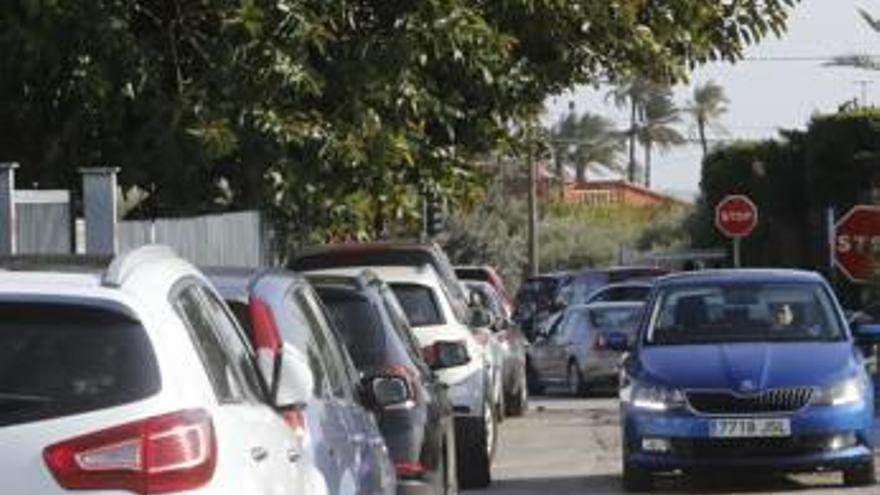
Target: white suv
pixel 135 379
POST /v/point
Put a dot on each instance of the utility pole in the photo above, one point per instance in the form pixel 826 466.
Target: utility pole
pixel 533 209
pixel 863 84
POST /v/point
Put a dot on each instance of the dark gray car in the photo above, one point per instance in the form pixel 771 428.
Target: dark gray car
pixel 572 350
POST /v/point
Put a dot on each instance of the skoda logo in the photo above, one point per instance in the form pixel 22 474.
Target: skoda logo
pixel 747 386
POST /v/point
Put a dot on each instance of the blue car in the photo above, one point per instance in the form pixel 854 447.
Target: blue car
pixel 752 369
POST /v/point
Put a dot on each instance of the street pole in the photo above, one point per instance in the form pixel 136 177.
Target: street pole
pixel 533 213
pixel 736 257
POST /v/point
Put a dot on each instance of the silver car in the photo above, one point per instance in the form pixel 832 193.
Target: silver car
pixel 572 350
pixel 338 431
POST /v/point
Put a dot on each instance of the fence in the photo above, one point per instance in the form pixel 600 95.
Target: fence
pixel 232 239
pixel 42 222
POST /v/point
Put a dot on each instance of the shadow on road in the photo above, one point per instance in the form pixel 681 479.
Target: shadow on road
pixel 717 483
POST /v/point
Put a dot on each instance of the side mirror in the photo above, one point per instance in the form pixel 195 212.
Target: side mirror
pixel 866 333
pixel 294 382
pixel 615 341
pixel 387 391
pixel 442 355
pixel 482 318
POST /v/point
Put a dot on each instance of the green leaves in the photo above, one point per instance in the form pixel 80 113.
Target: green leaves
pixel 332 114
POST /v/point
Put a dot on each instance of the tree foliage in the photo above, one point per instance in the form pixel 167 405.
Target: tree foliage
pixel 708 104
pixel 333 114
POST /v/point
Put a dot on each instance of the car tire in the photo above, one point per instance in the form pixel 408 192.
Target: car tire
pixel 475 440
pixel 637 479
pixel 517 402
pixel 577 387
pixel 862 474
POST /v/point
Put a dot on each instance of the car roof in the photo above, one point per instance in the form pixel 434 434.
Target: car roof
pixel 628 283
pixel 236 284
pixel 613 305
pixel 733 276
pixel 422 275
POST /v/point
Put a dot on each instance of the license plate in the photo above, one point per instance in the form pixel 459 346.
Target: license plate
pixel 750 428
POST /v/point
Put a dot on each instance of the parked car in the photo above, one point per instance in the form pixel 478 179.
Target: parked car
pixel 513 346
pixel 414 414
pixel 280 309
pixel 573 351
pixel 585 283
pixel 489 275
pixel 136 378
pixel 748 369
pixel 384 254
pixel 436 320
pixel 621 292
pixel 538 298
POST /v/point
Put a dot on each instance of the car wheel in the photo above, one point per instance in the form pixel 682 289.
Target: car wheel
pixel 862 474
pixel 636 479
pixel 475 440
pixel 533 379
pixel 577 387
pixel 518 401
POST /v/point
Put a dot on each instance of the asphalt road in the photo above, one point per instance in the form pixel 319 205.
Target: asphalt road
pixel 572 446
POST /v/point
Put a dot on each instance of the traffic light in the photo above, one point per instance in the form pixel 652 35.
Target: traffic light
pixel 434 218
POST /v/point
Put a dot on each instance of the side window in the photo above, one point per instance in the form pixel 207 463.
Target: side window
pixel 191 308
pixel 401 325
pixel 570 327
pixel 237 345
pixel 316 360
pixel 336 375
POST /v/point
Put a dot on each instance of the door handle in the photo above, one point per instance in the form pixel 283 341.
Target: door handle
pixel 259 454
pixel 359 438
pixel 293 455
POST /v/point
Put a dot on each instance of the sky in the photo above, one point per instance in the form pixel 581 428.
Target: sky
pixel 766 93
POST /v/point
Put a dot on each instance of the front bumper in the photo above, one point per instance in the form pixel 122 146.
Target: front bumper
pixel 814 430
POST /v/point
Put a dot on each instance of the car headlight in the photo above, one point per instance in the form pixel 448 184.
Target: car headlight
pixel 652 397
pixel 849 391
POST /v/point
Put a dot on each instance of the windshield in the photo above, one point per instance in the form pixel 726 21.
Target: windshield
pixel 419 304
pixel 363 331
pixel 615 319
pixel 743 312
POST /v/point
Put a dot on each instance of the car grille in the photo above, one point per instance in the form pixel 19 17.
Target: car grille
pixel 770 401
pixel 729 448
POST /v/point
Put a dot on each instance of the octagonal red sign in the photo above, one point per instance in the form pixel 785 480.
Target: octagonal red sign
pixel 736 216
pixel 857 243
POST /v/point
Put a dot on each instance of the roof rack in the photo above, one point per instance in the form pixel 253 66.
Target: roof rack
pixel 55 262
pixel 124 264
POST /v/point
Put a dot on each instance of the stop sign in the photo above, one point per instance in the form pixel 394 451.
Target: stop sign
pixel 736 216
pixel 857 243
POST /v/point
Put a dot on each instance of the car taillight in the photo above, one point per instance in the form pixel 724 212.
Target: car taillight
pixel 172 452
pixel 406 469
pixel 296 420
pixel 266 336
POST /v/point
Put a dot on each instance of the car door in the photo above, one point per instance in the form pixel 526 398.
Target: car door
pixel 251 435
pixel 562 343
pixel 544 349
pixel 347 439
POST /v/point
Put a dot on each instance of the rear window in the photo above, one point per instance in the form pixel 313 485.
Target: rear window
pixel 62 359
pixel 368 341
pixel 419 304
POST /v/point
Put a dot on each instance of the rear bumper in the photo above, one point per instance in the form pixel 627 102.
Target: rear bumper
pixel 815 442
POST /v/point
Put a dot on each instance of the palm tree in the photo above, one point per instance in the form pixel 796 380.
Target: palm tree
pixel 598 146
pixel 860 61
pixel 632 94
pixel 586 142
pixel 709 103
pixel 658 126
